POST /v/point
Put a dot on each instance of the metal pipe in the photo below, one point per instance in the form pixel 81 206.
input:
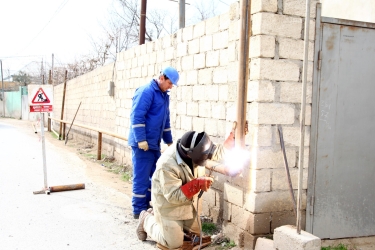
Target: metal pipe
pixel 220 168
pixel 44 150
pixel 243 71
pixel 2 82
pixel 67 187
pixel 142 24
pixel 181 16
pixel 302 116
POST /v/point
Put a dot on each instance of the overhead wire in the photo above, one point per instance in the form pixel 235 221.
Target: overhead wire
pixel 62 5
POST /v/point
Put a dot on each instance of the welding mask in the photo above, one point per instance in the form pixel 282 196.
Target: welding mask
pixel 198 147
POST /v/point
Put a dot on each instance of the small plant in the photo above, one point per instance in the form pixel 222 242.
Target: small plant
pixel 338 247
pixel 126 176
pixel 227 245
pixel 208 228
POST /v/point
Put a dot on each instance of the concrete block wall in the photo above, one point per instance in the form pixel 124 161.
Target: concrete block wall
pixel 206 55
pixel 259 201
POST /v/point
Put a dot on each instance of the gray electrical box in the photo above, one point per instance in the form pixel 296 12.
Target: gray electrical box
pixel 111 86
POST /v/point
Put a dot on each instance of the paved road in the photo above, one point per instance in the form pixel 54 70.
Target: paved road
pixel 97 217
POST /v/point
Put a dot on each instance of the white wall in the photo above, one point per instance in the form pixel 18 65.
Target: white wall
pixel 358 10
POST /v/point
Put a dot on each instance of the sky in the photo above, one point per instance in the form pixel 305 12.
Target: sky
pixel 33 30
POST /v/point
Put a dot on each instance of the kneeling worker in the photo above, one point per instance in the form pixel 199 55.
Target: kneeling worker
pixel 175 187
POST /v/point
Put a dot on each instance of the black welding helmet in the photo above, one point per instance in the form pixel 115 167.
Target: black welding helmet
pixel 197 146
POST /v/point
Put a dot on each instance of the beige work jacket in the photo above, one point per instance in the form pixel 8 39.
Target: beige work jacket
pixel 171 173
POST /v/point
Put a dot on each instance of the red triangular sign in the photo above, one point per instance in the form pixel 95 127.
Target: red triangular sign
pixel 40 97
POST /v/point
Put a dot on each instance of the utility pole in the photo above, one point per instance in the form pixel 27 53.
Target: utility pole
pixel 2 81
pixel 52 69
pixel 181 13
pixel 142 28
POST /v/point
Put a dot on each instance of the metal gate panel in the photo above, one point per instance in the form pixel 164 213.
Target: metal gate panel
pixel 343 180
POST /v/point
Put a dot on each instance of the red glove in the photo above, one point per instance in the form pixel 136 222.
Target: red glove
pixel 229 142
pixel 193 187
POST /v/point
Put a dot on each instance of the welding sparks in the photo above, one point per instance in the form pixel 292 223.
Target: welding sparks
pixel 236 160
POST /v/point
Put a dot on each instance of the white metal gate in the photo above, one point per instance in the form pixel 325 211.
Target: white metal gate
pixel 341 191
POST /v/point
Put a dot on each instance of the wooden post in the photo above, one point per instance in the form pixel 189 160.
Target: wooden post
pixel 99 156
pixel 63 103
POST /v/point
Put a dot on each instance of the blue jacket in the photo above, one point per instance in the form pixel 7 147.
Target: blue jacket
pixel 149 118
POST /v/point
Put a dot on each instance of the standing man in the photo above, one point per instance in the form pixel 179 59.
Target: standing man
pixel 150 122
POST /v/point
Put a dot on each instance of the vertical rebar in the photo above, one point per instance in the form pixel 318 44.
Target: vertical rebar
pixel 2 82
pixel 63 103
pixel 243 74
pixel 302 116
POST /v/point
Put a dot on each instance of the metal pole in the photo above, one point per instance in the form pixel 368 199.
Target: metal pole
pixel 243 74
pixel 2 82
pixel 63 103
pixel 181 16
pixel 302 116
pixel 44 151
pixel 142 28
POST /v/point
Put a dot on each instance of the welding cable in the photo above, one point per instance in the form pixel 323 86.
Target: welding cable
pixel 198 217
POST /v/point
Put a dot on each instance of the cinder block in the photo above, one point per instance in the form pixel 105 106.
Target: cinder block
pixel 261 91
pixel 264 244
pixel 193 46
pixel 220 40
pixel 212 25
pixel 233 194
pixel 160 56
pixel 298 8
pixel 181 108
pixel 259 135
pixel 263 6
pixel 268 202
pixel 198 124
pixel 249 241
pixel 261 180
pixel 187 62
pixel 286 218
pixel 280 180
pixel 218 110
pixel 224 57
pixel 271 113
pixel 191 77
pixel 205 43
pixel 198 93
pixel 199 61
pixel 234 30
pixel 224 21
pixel 211 126
pixel 216 214
pixel 240 217
pixel 272 157
pixel 212 59
pixel 204 108
pixel 213 91
pixel 220 75
pixel 186 123
pixel 185 93
pixel 205 75
pixel 187 33
pixel 259 223
pixel 234 233
pixel 182 49
pixel 291 136
pixel 234 11
pixel 277 25
pixel 292 92
pixel 294 49
pixel 192 109
pixel 286 238
pixel 227 211
pixel 232 51
pixel 169 54
pixel 278 70
pixel 199 29
pixel 262 46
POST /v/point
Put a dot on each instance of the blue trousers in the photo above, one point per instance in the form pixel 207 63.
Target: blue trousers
pixel 144 165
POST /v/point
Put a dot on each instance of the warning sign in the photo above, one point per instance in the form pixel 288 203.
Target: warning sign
pixel 40 98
